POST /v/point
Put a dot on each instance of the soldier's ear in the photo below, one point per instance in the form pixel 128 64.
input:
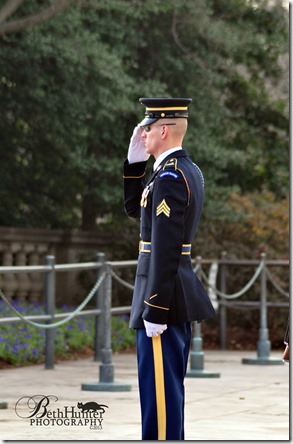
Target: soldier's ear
pixel 164 132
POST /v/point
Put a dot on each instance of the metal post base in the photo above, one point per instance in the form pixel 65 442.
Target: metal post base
pixel 202 374
pixel 106 387
pixel 197 366
pixel 197 358
pixel 263 352
pixel 3 405
pixel 106 383
pixel 262 361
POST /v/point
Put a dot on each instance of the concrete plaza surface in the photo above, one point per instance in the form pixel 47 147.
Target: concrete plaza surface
pixel 245 403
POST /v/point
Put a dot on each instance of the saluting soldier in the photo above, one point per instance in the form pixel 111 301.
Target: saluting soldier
pixel 167 296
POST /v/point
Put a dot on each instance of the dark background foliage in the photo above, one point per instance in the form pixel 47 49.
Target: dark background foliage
pixel 69 89
pixel 69 100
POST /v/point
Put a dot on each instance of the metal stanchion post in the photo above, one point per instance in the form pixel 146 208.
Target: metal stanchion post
pixel 50 310
pixel 264 344
pixel 98 318
pixel 223 308
pixel 197 355
pixel 3 404
pixel 107 383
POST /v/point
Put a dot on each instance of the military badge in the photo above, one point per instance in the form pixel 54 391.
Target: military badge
pixel 144 197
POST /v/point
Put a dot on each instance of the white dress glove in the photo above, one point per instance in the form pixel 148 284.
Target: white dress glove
pixel 136 150
pixel 154 329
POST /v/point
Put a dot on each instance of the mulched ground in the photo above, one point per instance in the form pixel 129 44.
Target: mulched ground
pixel 238 338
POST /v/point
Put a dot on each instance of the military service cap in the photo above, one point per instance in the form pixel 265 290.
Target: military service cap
pixel 159 108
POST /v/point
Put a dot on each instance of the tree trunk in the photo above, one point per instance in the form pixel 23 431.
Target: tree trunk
pixel 89 212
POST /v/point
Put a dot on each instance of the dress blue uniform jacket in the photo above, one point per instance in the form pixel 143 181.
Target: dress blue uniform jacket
pixel 169 206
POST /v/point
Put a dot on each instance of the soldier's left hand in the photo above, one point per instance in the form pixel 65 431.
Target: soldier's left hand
pixel 154 329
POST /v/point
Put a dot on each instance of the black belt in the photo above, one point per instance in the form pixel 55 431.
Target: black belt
pixel 146 247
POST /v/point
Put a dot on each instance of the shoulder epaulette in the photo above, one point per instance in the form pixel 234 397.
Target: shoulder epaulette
pixel 171 164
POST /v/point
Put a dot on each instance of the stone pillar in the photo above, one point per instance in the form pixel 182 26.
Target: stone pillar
pixel 9 279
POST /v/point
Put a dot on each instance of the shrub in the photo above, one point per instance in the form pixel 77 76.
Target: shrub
pixel 22 343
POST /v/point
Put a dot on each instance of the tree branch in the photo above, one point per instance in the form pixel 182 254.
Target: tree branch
pixel 35 19
pixel 187 53
pixel 8 9
pixel 175 34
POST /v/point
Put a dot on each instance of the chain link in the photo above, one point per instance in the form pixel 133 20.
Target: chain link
pixel 131 287
pixel 276 285
pixel 240 292
pixel 121 281
pixel 63 321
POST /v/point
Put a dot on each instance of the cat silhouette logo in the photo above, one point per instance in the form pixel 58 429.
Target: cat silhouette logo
pixel 92 406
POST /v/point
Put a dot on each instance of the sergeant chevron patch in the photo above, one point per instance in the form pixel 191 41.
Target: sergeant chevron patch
pixel 163 208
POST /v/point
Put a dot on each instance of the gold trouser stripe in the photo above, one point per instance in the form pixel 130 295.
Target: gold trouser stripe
pixel 160 387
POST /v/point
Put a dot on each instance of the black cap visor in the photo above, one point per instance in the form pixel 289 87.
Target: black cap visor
pixel 148 121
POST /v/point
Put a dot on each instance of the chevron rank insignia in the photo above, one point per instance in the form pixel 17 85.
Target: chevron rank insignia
pixel 163 208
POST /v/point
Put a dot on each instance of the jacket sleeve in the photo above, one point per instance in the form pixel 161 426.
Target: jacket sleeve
pixel 168 213
pixel 134 174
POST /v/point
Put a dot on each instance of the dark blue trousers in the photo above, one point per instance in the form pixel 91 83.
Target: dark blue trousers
pixel 162 364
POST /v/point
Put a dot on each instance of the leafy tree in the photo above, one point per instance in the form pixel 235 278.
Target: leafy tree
pixel 15 25
pixel 59 122
pixel 70 89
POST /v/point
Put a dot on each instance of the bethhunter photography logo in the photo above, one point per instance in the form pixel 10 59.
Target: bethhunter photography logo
pixel 42 410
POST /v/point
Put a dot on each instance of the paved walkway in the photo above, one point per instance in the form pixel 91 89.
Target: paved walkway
pixel 247 402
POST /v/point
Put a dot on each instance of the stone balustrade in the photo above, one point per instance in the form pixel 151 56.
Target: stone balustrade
pixel 31 246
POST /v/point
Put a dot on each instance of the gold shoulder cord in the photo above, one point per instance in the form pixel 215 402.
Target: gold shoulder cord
pixel 187 186
pixel 171 163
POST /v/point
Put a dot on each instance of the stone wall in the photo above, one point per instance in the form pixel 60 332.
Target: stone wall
pixel 30 247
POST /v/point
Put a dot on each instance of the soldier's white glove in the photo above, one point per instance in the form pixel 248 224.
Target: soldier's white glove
pixel 154 329
pixel 136 150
